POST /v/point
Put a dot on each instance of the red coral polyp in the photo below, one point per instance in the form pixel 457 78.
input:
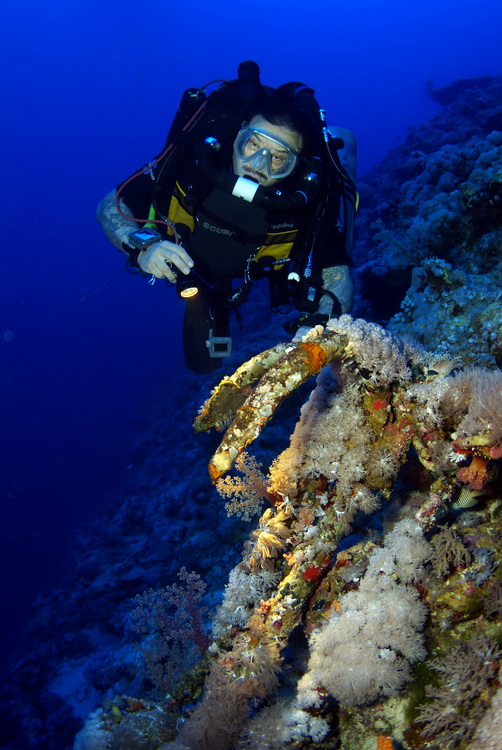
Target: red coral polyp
pixel 380 403
pixel 312 573
pixel 496 451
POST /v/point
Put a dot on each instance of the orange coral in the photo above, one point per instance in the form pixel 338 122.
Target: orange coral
pixel 316 358
pixel 475 475
pixel 384 743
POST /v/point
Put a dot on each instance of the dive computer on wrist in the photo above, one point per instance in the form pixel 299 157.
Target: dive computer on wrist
pixel 138 241
pixel 141 239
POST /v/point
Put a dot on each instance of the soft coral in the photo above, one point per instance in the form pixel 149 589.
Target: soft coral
pixel 476 474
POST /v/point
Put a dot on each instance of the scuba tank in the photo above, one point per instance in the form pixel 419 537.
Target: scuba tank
pixel 348 152
pixel 332 227
pixel 191 101
pixel 348 159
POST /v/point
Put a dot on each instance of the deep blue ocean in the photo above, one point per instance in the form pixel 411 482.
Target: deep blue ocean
pixel 88 90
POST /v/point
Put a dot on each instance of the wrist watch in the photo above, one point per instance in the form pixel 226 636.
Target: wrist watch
pixel 140 240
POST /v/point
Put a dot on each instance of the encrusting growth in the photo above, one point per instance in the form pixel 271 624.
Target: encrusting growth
pixel 285 368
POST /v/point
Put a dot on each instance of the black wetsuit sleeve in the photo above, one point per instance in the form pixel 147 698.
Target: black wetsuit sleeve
pixel 137 194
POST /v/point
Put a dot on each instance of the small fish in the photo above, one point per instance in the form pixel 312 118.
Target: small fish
pixel 466 499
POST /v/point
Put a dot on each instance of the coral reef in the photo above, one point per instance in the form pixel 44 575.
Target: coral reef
pixel 368 616
pixel 430 228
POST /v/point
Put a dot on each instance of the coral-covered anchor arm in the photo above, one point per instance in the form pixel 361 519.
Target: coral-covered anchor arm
pixel 231 392
pixel 298 363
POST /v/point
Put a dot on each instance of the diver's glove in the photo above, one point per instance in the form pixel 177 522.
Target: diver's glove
pixel 307 322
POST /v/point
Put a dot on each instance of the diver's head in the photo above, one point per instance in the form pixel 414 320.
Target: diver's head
pixel 266 152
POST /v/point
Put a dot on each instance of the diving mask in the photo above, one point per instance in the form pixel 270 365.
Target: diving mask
pixel 259 150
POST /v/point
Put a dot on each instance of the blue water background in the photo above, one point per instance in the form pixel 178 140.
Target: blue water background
pixel 88 91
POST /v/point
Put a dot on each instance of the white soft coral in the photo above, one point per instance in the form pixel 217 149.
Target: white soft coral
pixel 365 650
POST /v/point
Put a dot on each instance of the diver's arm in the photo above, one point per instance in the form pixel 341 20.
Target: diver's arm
pixel 155 259
pixel 336 280
pixel 116 227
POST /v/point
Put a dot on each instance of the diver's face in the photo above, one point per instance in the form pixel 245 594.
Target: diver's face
pixel 266 171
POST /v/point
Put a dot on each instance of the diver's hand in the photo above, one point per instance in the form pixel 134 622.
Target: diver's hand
pixel 301 332
pixel 164 259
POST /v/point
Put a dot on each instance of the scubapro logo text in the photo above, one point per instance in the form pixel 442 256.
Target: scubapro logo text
pixel 218 230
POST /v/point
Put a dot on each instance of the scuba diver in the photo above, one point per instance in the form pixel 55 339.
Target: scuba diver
pixel 250 185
